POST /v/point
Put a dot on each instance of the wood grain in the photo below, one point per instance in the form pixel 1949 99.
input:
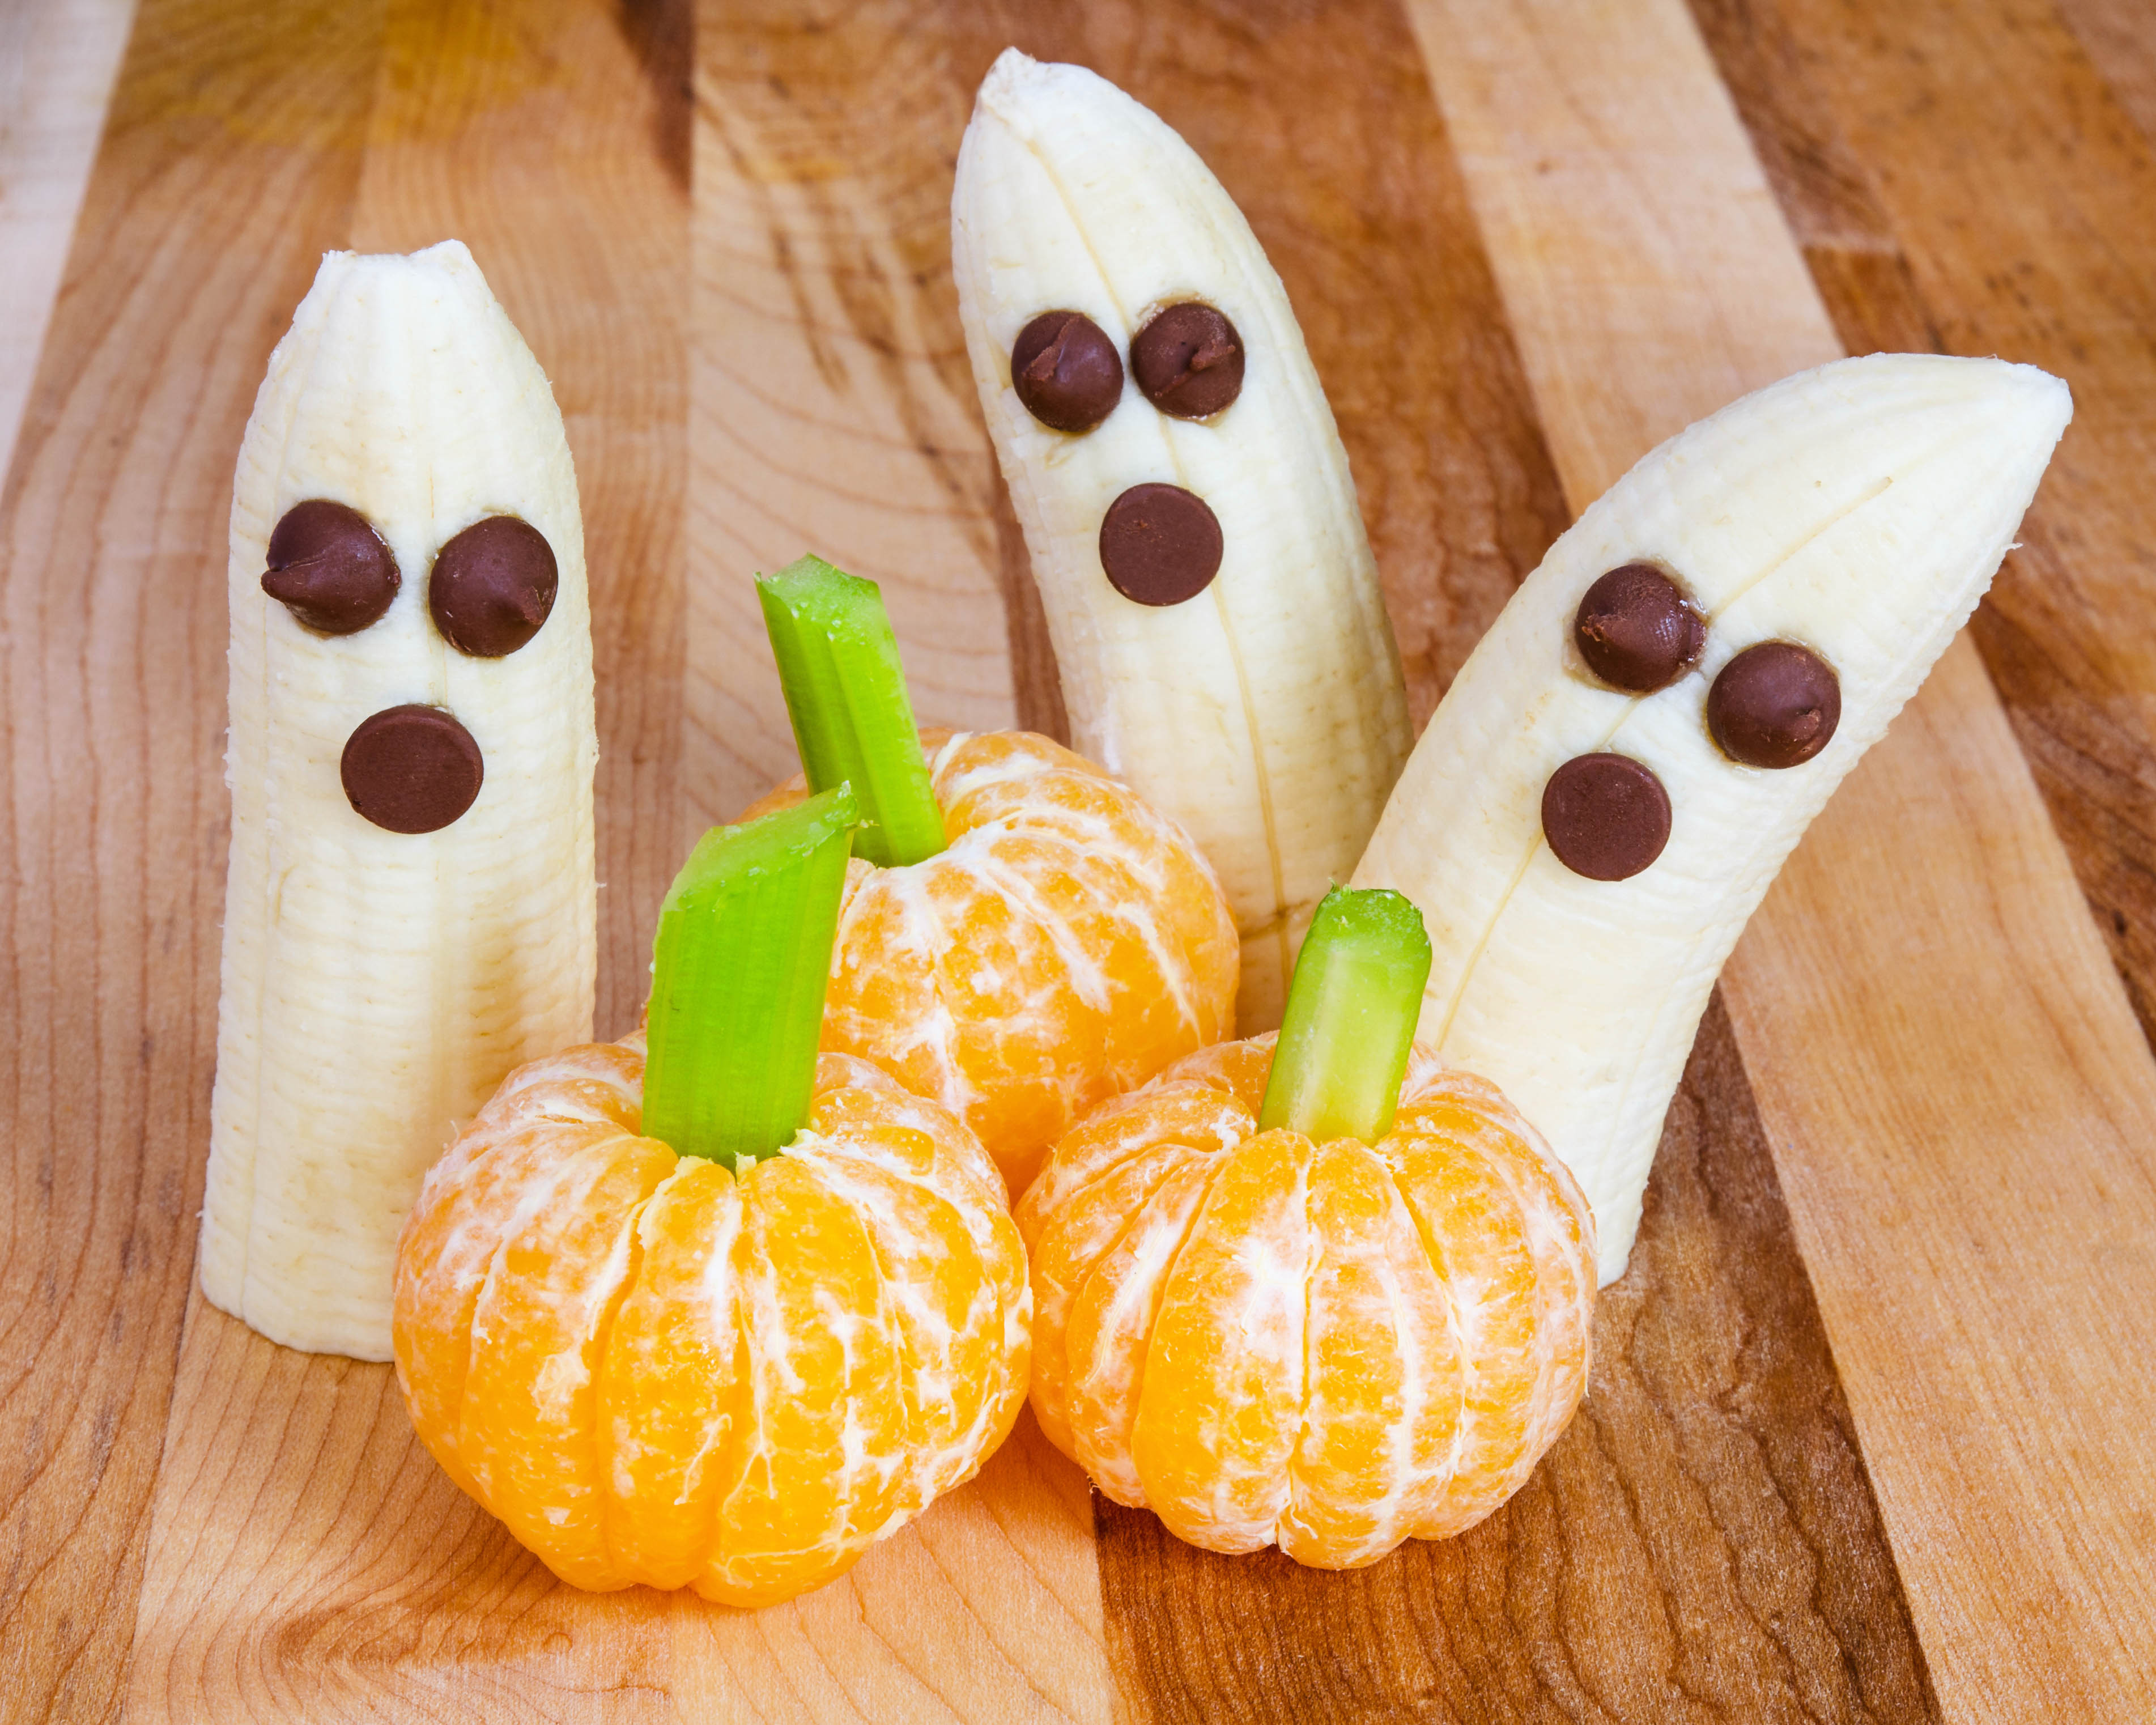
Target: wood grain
pixel 216 186
pixel 834 406
pixel 2062 634
pixel 1951 1178
pixel 56 64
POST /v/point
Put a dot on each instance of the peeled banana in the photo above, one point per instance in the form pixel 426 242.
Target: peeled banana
pixel 1209 586
pixel 1840 525
pixel 410 910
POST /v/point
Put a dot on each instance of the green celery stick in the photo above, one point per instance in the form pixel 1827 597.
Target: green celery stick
pixel 1351 1019
pixel 846 692
pixel 738 974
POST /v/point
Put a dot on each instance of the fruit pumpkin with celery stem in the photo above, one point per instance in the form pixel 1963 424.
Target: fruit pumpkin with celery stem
pixel 669 1338
pixel 1022 936
pixel 1329 1297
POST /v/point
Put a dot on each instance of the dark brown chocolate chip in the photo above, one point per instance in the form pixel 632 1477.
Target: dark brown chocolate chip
pixel 1605 816
pixel 1775 705
pixel 1066 371
pixel 1637 631
pixel 330 568
pixel 1188 361
pixel 412 769
pixel 493 586
pixel 1160 544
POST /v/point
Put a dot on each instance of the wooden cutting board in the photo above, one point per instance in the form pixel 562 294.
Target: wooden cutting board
pixel 1870 1426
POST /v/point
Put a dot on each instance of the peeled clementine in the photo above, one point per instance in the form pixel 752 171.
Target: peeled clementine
pixel 655 1371
pixel 1329 1346
pixel 1069 943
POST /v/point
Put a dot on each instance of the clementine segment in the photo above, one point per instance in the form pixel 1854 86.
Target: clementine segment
pixel 1329 1346
pixel 655 1371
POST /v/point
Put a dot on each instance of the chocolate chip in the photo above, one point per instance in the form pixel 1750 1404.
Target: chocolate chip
pixel 1775 705
pixel 493 586
pixel 1188 361
pixel 1066 371
pixel 412 769
pixel 1637 631
pixel 1605 816
pixel 330 568
pixel 1160 544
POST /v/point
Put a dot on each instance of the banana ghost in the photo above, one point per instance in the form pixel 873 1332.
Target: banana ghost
pixel 1614 778
pixel 1208 585
pixel 410 909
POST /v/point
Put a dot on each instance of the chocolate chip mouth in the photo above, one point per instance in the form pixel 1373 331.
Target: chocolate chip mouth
pixel 1605 816
pixel 412 769
pixel 1160 545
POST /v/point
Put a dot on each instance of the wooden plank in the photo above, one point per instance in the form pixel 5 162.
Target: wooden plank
pixel 307 1558
pixel 1954 1173
pixel 196 237
pixel 56 64
pixel 832 408
pixel 2039 165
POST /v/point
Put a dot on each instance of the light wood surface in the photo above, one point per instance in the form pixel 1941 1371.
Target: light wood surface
pixel 57 62
pixel 1526 240
pixel 1953 1173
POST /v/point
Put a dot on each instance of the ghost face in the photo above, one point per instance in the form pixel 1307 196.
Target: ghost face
pixel 412 768
pixel 1775 705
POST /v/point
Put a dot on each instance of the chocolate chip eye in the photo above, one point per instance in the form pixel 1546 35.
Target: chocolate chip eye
pixel 493 586
pixel 412 769
pixel 1606 816
pixel 1066 371
pixel 1775 705
pixel 1160 544
pixel 1188 361
pixel 330 568
pixel 1637 631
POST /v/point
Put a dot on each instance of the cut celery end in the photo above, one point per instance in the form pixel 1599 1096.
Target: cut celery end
pixel 739 970
pixel 846 692
pixel 1350 1021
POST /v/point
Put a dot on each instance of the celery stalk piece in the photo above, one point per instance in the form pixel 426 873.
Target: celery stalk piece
pixel 738 974
pixel 1351 1019
pixel 846 692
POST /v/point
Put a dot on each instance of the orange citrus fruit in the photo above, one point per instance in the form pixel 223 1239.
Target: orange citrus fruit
pixel 653 1371
pixel 1329 1346
pixel 1069 943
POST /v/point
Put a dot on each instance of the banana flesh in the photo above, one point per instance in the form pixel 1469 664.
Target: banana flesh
pixel 1861 510
pixel 379 985
pixel 1267 713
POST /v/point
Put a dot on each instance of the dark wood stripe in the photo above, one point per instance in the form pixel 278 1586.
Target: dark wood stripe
pixel 229 164
pixel 1704 1543
pixel 1963 182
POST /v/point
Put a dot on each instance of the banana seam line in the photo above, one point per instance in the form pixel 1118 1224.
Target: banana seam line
pixel 1281 908
pixel 1537 843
